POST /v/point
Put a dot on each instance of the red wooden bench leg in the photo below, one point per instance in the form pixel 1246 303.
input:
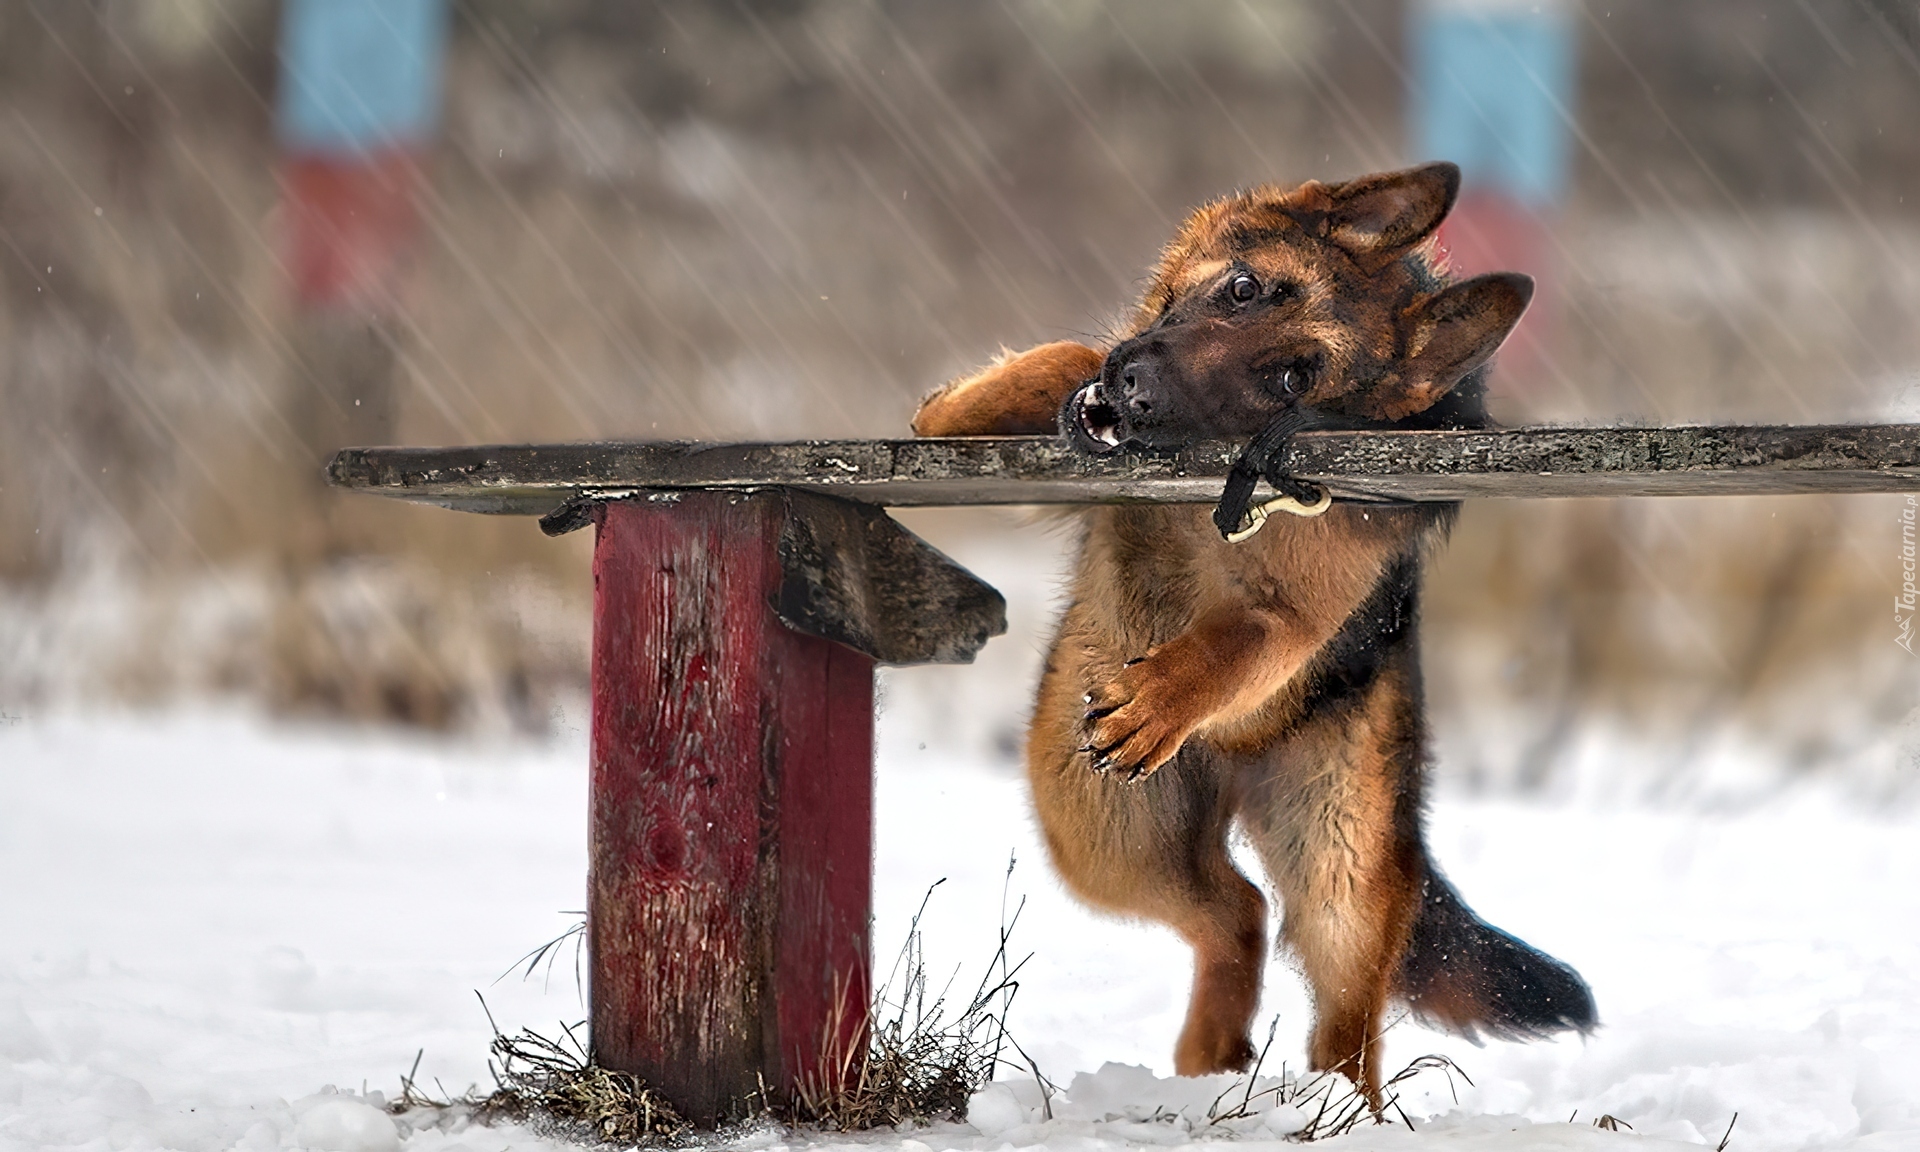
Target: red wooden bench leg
pixel 732 811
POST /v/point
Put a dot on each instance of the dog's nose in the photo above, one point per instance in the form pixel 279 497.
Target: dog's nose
pixel 1137 381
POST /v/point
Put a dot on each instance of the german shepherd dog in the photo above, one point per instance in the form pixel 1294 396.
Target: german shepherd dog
pixel 1196 682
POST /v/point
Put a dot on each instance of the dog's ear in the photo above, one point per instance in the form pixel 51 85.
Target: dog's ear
pixel 1378 218
pixel 1451 332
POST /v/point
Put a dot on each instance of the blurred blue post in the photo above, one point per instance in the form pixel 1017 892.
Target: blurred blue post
pixel 1494 92
pixel 358 105
pixel 360 76
pixel 359 100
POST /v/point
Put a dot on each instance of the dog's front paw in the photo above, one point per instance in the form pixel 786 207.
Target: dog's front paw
pixel 1137 721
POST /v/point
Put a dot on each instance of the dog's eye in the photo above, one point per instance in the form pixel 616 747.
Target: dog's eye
pixel 1243 288
pixel 1289 381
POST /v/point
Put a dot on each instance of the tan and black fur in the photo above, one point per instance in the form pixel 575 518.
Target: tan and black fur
pixel 1274 682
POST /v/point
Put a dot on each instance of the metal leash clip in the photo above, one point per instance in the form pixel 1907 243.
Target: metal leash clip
pixel 1236 516
pixel 1258 513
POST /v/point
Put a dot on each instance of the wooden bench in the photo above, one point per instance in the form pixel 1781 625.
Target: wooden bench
pixel 743 594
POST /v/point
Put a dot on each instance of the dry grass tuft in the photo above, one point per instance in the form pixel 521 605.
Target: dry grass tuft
pixel 555 1085
pixel 552 1085
pixel 920 1063
pixel 1326 1103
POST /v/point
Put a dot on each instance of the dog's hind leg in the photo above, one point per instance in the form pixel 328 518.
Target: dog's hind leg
pixel 1335 817
pixel 1018 393
pixel 1157 849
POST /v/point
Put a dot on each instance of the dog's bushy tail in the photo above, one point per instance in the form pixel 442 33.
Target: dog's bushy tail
pixel 1465 976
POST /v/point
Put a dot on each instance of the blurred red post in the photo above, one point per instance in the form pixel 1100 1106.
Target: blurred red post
pixel 350 222
pixel 1494 91
pixel 730 843
pixel 359 97
pixel 1490 231
pixel 357 106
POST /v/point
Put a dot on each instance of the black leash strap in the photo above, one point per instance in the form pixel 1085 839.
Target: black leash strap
pixel 1262 459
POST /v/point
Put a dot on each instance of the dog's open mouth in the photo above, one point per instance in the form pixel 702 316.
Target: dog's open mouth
pixel 1091 421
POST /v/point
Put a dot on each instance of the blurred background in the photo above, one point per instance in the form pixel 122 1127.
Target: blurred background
pixel 236 235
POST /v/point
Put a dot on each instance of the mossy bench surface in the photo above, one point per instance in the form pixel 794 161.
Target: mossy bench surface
pixel 534 479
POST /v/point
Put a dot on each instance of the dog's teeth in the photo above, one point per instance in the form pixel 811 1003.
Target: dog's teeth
pixel 1107 437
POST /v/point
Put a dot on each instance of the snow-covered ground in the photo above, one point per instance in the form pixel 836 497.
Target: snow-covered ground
pixel 205 918
pixel 208 920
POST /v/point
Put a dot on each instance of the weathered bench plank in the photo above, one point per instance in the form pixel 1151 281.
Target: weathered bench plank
pixel 1515 462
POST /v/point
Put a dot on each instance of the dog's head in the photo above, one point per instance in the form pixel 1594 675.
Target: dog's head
pixel 1321 295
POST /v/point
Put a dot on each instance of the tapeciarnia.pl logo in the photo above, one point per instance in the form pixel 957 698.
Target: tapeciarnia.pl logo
pixel 1909 598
